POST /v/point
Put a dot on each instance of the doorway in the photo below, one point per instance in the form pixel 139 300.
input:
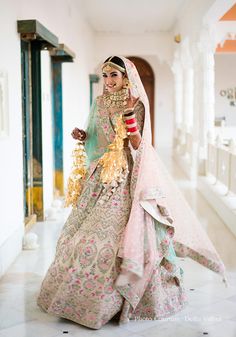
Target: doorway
pixel 148 79
pixel 34 38
pixel 59 56
pixel 29 215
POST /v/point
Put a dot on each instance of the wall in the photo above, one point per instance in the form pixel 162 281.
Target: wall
pixel 155 44
pixel 225 75
pixel 164 94
pixel 11 191
pixel 70 27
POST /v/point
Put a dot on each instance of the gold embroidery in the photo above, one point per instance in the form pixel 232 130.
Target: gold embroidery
pixel 114 163
pixel 77 174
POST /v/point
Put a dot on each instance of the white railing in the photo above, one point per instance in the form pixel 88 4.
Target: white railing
pixel 221 163
pixel 189 144
pixel 232 178
pixel 184 142
pixel 180 141
pixel 221 156
pixel 185 152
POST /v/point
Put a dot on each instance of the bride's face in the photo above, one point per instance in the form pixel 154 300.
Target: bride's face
pixel 113 80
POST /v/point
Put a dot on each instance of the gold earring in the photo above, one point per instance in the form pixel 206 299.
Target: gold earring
pixel 126 83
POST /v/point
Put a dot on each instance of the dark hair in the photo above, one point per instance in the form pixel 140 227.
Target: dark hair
pixel 116 60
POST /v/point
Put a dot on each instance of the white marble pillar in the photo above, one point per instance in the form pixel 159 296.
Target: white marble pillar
pixel 178 99
pixel 188 85
pixel 178 81
pixel 208 92
pixel 188 98
pixel 206 49
pixel 184 99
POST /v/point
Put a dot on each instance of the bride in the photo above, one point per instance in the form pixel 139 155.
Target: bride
pixel 116 254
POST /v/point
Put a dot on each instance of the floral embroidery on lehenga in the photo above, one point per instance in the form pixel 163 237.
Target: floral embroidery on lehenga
pixel 80 283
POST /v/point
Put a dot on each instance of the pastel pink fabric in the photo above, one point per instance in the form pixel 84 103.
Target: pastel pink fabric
pixel 150 183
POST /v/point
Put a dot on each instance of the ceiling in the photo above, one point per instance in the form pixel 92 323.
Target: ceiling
pixel 229 45
pixel 230 15
pixel 132 16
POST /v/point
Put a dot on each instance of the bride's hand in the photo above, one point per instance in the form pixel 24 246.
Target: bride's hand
pixel 78 134
pixel 131 101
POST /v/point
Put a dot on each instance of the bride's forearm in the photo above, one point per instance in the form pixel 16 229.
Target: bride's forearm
pixel 135 140
pixel 132 127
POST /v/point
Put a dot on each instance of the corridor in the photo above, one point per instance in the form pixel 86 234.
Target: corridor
pixel 56 59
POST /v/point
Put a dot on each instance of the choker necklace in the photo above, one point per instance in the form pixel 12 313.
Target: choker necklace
pixel 116 99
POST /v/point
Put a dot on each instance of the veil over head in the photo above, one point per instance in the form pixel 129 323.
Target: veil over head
pixel 151 185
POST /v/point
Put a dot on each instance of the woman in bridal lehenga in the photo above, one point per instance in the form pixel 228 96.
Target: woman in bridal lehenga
pixel 117 251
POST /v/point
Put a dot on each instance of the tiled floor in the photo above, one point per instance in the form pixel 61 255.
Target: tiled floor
pixel 211 310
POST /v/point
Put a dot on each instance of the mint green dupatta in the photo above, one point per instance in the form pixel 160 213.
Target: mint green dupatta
pixel 91 143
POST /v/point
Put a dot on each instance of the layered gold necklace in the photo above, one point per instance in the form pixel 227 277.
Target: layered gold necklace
pixel 116 99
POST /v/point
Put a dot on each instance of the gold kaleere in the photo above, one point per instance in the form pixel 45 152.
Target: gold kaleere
pixel 77 174
pixel 114 162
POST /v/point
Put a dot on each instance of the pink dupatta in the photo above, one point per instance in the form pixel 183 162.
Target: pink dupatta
pixel 151 185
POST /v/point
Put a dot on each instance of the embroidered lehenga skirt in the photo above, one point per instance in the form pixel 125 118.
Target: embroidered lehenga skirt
pixel 80 283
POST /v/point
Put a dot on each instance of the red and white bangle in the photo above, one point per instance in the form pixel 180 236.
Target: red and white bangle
pixel 130 121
